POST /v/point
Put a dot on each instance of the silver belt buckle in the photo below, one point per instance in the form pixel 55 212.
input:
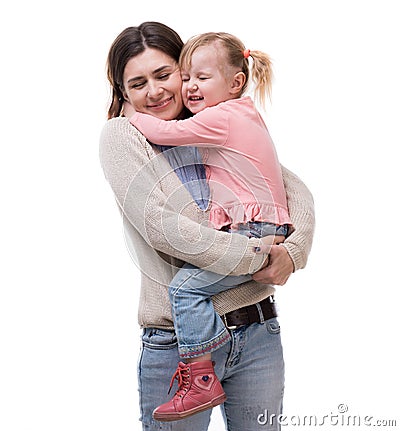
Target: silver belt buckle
pixel 231 328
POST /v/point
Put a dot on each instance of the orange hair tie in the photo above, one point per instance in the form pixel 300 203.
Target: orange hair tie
pixel 246 53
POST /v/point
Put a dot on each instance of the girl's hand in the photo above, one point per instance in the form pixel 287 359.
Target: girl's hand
pixel 128 110
pixel 279 268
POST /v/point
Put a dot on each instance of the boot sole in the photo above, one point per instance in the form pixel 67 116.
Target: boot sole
pixel 182 415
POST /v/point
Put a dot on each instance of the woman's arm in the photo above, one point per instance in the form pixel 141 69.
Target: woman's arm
pixel 301 210
pixel 280 267
pixel 137 180
pixel 292 254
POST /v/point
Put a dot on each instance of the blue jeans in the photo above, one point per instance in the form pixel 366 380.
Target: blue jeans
pixel 250 367
pixel 198 327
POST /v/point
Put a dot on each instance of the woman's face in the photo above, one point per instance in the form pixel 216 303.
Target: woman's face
pixel 152 84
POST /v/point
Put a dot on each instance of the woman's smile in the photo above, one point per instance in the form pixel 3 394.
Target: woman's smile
pixel 160 105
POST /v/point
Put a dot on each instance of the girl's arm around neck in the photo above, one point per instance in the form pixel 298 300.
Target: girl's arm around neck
pixel 208 128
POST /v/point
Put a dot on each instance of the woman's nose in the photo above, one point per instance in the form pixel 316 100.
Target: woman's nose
pixel 154 89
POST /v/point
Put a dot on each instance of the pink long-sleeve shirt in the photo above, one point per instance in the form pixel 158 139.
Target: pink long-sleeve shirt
pixel 242 166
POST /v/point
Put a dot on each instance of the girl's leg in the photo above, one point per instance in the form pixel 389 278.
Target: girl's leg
pixel 198 327
pixel 200 331
pixel 157 363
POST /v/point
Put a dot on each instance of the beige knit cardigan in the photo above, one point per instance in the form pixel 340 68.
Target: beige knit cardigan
pixel 164 227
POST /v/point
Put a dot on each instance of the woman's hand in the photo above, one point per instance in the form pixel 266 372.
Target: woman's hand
pixel 128 110
pixel 279 268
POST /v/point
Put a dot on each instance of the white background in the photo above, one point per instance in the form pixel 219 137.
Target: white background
pixel 69 337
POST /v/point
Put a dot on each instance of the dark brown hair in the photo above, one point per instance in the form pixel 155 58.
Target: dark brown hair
pixel 131 42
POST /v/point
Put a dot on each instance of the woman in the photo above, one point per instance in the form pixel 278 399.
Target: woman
pixel 163 198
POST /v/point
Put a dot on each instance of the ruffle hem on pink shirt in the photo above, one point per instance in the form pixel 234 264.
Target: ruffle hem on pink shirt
pixel 246 212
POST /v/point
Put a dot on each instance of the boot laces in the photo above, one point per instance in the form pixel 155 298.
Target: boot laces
pixel 183 377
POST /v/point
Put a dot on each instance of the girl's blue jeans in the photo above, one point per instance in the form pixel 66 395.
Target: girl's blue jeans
pixel 198 327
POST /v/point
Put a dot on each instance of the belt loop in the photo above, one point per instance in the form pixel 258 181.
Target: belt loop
pixel 260 312
pixel 231 327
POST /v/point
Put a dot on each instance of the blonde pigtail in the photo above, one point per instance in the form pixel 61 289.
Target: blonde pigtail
pixel 262 76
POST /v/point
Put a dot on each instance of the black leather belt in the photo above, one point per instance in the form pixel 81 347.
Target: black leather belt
pixel 256 313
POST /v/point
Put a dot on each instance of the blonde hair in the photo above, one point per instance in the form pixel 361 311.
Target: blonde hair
pixel 261 71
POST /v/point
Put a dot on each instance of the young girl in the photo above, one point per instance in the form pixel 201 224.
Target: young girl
pixel 247 192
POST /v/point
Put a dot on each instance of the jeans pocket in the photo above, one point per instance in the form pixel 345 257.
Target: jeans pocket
pixel 159 339
pixel 273 326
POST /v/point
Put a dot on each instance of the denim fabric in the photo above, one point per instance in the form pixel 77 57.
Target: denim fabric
pixel 199 328
pixel 188 166
pixel 259 229
pixel 250 367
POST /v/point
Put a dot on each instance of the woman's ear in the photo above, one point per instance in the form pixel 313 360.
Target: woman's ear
pixel 125 96
pixel 123 92
pixel 238 81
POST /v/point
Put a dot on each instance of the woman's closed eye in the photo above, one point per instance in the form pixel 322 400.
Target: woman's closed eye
pixel 137 85
pixel 163 76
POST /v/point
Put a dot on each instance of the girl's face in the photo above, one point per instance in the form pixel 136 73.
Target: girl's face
pixel 205 83
pixel 152 84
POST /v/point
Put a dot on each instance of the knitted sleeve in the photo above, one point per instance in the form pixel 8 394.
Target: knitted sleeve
pixel 139 182
pixel 301 210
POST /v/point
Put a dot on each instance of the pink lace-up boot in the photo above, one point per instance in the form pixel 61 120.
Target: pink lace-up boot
pixel 198 389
